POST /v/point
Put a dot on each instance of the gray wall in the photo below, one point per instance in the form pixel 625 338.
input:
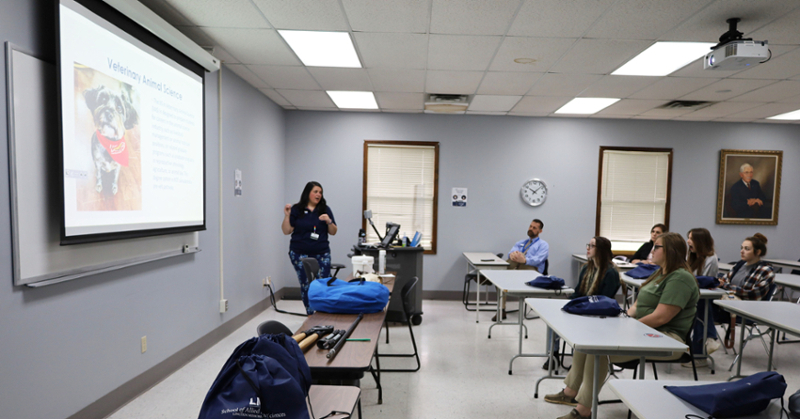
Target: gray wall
pixel 67 345
pixel 493 156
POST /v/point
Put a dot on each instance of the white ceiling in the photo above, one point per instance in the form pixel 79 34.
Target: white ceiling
pixel 412 47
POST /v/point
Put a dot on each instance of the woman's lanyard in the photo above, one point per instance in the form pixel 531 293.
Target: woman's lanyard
pixel 527 246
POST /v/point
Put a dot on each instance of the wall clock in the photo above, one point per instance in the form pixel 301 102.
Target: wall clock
pixel 533 192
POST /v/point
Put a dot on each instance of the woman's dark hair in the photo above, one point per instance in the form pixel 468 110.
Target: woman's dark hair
pixel 597 266
pixel 703 248
pixel 322 207
pixel 759 243
pixel 674 248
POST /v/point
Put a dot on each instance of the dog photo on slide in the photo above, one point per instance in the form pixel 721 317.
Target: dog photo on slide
pixel 108 134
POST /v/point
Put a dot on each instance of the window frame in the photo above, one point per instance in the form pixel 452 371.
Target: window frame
pixel 668 203
pixel 435 145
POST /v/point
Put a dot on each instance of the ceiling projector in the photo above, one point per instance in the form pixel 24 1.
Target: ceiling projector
pixel 734 52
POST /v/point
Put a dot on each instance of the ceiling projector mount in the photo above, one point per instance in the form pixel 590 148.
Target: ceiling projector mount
pixel 733 52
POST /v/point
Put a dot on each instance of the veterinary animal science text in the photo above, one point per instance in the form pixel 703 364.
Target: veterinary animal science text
pixel 116 67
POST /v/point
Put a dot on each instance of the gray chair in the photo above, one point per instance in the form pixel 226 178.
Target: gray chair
pixel 271 327
pixel 408 289
pixel 311 268
pixel 470 277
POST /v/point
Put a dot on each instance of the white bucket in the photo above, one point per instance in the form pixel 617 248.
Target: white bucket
pixel 363 264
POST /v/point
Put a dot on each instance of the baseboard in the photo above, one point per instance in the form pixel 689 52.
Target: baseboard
pixel 123 394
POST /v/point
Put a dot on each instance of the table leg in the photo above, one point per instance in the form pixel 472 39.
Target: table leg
pixel 477 295
pixel 773 335
pixel 596 384
pixel 741 348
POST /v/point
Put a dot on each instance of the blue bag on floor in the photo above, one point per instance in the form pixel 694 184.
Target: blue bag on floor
pixel 596 305
pixel 331 295
pixel 547 282
pixel 707 282
pixel 745 397
pixel 642 271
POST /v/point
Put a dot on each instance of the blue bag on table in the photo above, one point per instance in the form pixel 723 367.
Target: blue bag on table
pixel 331 295
pixel 642 271
pixel 707 282
pixel 547 282
pixel 597 305
pixel 745 397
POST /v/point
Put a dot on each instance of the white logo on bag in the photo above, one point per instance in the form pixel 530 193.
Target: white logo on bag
pixel 256 403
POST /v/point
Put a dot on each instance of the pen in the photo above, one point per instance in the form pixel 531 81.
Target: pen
pixel 358 340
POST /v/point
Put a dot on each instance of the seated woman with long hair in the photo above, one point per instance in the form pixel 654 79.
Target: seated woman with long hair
pixel 667 302
pixel 702 262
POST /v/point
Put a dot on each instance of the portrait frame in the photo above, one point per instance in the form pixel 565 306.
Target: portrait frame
pixel 733 207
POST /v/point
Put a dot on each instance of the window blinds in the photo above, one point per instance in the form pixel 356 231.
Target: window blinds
pixel 400 189
pixel 633 194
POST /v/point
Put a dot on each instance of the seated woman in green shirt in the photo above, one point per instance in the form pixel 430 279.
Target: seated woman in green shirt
pixel 667 302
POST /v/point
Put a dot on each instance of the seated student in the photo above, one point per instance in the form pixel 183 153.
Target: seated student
pixel 599 276
pixel 645 253
pixel 702 262
pixel 530 253
pixel 750 278
pixel 667 302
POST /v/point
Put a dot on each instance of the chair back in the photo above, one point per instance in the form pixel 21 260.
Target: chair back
pixel 311 268
pixel 271 327
pixel 406 296
pixel 499 255
pixel 771 292
pixel 546 266
pixel 796 271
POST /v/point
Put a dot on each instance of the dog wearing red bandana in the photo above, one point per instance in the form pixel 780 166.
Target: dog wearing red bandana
pixel 113 114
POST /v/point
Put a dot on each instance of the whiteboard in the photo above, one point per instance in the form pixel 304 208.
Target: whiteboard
pixel 35 185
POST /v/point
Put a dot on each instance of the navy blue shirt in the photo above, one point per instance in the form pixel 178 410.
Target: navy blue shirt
pixel 304 221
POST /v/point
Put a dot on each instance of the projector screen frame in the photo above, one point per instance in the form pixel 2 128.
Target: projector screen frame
pixel 123 23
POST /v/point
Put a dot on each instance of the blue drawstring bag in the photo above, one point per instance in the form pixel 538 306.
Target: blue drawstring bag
pixel 331 295
pixel 745 397
pixel 596 305
pixel 707 282
pixel 547 282
pixel 642 271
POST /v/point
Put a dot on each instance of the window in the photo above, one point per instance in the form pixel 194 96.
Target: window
pixel 633 194
pixel 401 186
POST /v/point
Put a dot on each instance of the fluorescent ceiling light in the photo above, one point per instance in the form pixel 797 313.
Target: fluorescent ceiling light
pixel 587 105
pixel 353 100
pixel 788 116
pixel 323 49
pixel 663 58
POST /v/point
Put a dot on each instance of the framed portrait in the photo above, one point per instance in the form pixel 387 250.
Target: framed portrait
pixel 749 187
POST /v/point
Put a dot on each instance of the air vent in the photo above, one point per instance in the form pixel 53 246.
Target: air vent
pixel 447 104
pixel 686 104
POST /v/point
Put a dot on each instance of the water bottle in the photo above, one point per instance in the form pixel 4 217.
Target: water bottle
pixel 381 262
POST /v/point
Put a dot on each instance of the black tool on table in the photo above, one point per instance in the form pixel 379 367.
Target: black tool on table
pixel 332 353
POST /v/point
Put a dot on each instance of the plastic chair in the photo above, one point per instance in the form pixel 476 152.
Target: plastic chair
pixel 751 327
pixel 407 308
pixel 311 268
pixel 470 277
pixel 271 327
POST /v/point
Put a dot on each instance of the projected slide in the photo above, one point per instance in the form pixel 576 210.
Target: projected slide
pixel 132 124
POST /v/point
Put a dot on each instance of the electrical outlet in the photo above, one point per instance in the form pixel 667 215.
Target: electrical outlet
pixel 223 306
pixel 144 344
pixel 269 282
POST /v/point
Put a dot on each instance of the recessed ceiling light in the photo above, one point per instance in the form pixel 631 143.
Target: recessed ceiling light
pixel 587 105
pixel 663 58
pixel 323 49
pixel 353 100
pixel 788 116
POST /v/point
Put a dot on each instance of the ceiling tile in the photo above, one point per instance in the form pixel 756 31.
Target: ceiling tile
pixel 403 101
pixel 624 19
pixel 599 56
pixel 247 75
pixel 392 50
pixel 221 13
pixel 654 117
pixel 312 15
pixel 665 113
pixel 671 88
pixel 452 82
pixel 452 52
pixel 793 99
pixel 472 17
pixel 196 34
pixel 553 84
pixel 782 67
pixel 493 103
pixel 722 109
pixel 409 16
pixel 598 116
pixel 539 105
pixel 254 46
pixel 397 80
pixel 735 119
pixel 765 111
pixel 708 24
pixel 617 86
pixel 496 83
pixel 402 111
pixel 630 107
pixel 167 12
pixel 726 89
pixel 776 92
pixel 280 77
pixel 223 55
pixel 545 52
pixel 341 78
pixel 486 113
pixel 557 18
pixel 308 98
pixel 275 97
pixel 782 31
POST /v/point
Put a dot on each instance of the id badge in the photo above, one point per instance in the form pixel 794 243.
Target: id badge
pixel 314 236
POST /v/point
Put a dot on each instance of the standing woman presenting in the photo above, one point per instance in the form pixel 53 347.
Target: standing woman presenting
pixel 309 221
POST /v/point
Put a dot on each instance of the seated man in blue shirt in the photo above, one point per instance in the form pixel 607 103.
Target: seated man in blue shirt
pixel 530 253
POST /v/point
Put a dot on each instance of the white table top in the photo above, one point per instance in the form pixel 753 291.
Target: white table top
pixel 484 259
pixel 610 335
pixel 781 315
pixel 724 267
pixel 514 283
pixel 622 266
pixel 788 280
pixel 704 293
pixel 648 399
pixel 784 262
